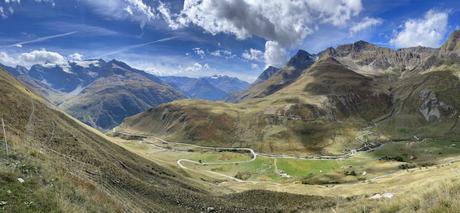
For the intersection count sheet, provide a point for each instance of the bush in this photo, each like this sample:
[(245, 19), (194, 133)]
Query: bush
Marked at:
[(407, 166)]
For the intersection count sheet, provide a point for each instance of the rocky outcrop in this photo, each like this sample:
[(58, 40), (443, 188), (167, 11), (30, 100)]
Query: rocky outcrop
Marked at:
[(364, 56), (433, 109), (452, 46)]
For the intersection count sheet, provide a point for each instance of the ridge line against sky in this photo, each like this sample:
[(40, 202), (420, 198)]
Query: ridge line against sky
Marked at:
[(233, 37)]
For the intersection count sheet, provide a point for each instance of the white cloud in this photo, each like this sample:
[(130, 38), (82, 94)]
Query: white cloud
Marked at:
[(2, 13), (274, 54), (41, 57), (196, 67), (168, 17), (135, 10), (428, 31), (252, 54), (7, 60), (7, 8), (76, 57), (28, 59), (286, 23), (199, 52), (222, 53), (254, 66), (365, 23)]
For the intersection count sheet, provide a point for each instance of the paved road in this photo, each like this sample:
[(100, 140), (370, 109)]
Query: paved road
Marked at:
[(253, 156)]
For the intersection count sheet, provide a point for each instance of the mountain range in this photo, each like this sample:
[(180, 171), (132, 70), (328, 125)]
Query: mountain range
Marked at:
[(102, 94), (216, 87), (320, 103)]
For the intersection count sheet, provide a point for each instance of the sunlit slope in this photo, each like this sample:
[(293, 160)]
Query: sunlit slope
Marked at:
[(325, 107)]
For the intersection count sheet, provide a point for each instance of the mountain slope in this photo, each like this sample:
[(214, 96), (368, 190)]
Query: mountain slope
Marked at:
[(74, 165), (107, 101), (96, 92), (324, 108), (266, 74), (288, 74), (204, 90), (69, 167), (327, 99)]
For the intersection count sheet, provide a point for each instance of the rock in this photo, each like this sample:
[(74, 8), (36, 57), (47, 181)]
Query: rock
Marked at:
[(376, 197), (3, 203), (386, 195), (21, 180), (432, 108), (210, 209)]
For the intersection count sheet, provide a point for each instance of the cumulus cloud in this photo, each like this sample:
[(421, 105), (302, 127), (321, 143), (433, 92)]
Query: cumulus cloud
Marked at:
[(76, 57), (428, 31), (364, 24), (7, 60), (285, 23), (27, 59), (274, 54), (252, 54), (41, 57)]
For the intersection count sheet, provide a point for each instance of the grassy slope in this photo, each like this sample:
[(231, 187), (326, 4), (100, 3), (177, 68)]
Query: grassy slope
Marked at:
[(69, 168), (320, 112), (407, 121)]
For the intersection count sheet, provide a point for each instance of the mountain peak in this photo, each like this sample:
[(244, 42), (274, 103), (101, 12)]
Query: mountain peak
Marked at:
[(302, 53), (301, 60)]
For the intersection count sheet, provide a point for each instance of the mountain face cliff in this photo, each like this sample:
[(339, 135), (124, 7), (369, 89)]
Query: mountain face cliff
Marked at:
[(317, 104), (266, 74), (97, 92)]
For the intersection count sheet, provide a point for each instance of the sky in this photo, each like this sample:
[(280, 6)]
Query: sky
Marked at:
[(195, 38)]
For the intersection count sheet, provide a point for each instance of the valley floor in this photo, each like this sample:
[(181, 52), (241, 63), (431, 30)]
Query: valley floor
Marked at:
[(403, 170)]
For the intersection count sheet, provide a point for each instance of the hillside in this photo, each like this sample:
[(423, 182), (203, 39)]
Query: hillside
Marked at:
[(324, 108), (107, 101), (96, 92), (68, 167)]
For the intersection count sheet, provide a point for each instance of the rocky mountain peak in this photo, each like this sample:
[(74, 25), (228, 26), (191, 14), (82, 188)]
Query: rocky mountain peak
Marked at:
[(301, 60)]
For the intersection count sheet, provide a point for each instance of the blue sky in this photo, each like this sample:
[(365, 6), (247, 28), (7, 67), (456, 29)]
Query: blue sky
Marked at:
[(205, 37)]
